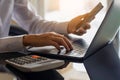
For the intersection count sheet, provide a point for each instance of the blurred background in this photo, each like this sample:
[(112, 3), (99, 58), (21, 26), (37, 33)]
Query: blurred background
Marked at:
[(63, 10)]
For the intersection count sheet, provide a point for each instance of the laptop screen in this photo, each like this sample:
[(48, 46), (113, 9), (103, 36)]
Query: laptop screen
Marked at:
[(103, 30), (107, 30)]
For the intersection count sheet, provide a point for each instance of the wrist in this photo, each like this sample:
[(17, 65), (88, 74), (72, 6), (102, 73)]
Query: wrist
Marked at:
[(25, 40)]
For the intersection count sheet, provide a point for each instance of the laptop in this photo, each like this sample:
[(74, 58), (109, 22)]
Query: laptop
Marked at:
[(105, 64), (88, 44)]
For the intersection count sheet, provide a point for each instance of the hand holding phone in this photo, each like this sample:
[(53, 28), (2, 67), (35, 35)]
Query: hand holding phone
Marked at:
[(90, 15)]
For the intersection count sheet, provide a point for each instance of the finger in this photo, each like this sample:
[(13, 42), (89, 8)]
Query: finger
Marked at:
[(53, 43), (81, 31), (87, 26), (61, 41), (67, 41)]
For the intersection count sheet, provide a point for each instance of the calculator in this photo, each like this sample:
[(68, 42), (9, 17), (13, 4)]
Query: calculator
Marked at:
[(34, 63)]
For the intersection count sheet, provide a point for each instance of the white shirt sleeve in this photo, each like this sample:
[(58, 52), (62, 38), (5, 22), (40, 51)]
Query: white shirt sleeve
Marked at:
[(33, 23), (11, 44)]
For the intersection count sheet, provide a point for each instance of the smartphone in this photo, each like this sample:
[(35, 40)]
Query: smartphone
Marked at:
[(91, 15)]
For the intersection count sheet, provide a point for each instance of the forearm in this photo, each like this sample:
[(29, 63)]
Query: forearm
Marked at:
[(42, 26), (33, 23)]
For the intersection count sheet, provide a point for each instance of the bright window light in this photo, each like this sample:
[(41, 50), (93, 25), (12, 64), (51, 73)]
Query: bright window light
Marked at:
[(69, 9)]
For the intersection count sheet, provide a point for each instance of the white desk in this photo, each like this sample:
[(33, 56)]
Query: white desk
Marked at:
[(70, 73)]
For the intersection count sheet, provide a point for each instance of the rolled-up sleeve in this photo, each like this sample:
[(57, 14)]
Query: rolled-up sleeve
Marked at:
[(11, 44)]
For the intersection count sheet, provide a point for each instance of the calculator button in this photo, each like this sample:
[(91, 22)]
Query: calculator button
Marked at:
[(35, 56)]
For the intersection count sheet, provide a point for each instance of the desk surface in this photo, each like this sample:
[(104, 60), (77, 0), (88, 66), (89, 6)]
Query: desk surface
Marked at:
[(7, 76), (71, 73)]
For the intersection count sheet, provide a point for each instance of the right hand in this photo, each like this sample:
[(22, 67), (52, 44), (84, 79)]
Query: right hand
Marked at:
[(47, 39), (75, 25)]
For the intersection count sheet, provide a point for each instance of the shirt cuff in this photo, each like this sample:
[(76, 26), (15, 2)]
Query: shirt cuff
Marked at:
[(12, 44), (61, 28)]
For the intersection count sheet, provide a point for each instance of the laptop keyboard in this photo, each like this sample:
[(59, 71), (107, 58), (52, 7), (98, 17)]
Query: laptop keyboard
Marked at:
[(78, 49)]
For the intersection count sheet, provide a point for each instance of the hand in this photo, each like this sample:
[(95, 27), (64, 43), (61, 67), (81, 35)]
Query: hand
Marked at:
[(75, 26), (47, 39)]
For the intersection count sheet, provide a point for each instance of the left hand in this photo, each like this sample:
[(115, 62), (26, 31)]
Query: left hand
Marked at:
[(75, 26)]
